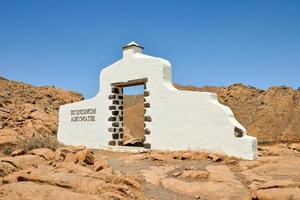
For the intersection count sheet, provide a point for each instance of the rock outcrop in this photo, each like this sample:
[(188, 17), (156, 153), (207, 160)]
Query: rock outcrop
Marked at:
[(26, 111), (67, 173)]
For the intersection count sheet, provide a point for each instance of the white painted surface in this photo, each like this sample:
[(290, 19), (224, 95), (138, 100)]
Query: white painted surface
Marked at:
[(181, 120)]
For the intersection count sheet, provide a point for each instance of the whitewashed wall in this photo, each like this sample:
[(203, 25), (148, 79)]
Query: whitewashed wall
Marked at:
[(181, 120)]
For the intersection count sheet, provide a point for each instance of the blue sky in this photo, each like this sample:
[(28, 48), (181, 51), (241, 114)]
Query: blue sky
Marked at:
[(67, 42)]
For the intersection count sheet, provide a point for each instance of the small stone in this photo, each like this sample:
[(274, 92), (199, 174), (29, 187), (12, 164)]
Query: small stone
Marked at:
[(115, 135), (111, 119), (214, 157), (147, 131), (115, 124), (112, 129), (175, 174), (112, 107), (20, 119), (232, 161), (146, 105), (116, 102), (115, 112), (18, 152), (112, 96), (98, 167), (115, 90), (147, 146), (147, 118), (238, 132), (146, 93), (112, 143)]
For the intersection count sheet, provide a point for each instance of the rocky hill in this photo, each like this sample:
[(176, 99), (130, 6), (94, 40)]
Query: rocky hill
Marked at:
[(26, 111)]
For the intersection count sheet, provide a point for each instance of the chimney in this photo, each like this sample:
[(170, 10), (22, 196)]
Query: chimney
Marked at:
[(132, 48)]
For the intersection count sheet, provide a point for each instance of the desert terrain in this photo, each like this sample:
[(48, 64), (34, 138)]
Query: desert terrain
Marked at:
[(33, 165)]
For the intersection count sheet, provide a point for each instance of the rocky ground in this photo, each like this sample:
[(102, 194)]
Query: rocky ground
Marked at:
[(33, 165), (78, 173)]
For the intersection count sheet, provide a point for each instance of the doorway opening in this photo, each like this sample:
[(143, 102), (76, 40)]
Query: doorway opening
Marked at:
[(133, 116), (129, 104)]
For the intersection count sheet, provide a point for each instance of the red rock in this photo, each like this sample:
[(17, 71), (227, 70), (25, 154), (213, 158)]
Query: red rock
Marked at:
[(68, 180), (72, 158), (215, 157), (279, 184), (36, 191), (85, 156), (221, 173), (70, 167), (6, 168), (28, 129), (18, 152), (8, 136), (45, 153), (23, 161), (278, 194), (207, 190), (194, 174)]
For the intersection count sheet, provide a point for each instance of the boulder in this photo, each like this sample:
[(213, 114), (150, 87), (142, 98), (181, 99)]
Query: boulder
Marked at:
[(8, 136), (134, 142), (295, 146), (85, 156), (194, 174), (28, 129), (277, 194), (279, 184), (36, 191), (215, 157), (207, 190), (41, 115), (45, 153), (6, 168), (74, 154), (74, 181), (18, 152), (23, 161), (70, 167)]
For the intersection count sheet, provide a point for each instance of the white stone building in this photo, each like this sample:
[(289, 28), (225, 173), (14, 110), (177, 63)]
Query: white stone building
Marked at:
[(174, 119)]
